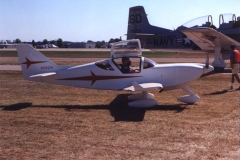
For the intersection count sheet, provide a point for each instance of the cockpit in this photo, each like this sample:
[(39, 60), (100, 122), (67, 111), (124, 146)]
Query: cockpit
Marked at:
[(225, 21), (205, 21), (228, 21), (126, 57), (104, 64)]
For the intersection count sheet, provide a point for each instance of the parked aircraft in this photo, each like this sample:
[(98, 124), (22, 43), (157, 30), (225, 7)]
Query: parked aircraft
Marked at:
[(108, 74), (153, 37)]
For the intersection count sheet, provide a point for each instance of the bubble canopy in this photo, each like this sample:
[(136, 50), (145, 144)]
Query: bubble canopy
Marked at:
[(204, 21), (126, 48), (227, 18)]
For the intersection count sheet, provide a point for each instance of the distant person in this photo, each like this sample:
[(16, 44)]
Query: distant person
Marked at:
[(125, 68), (234, 66)]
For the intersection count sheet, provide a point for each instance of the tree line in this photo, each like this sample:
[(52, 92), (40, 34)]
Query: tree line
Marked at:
[(59, 42)]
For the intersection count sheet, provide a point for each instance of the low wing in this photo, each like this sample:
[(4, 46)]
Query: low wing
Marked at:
[(144, 87), (207, 39), (43, 74)]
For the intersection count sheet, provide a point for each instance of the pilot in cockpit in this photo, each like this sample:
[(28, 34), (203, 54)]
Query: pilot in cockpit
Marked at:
[(125, 67)]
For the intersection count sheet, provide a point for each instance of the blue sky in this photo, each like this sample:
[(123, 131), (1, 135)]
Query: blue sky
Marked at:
[(82, 20)]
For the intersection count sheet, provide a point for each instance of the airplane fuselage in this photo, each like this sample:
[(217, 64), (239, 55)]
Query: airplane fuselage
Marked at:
[(126, 70), (233, 33), (91, 76)]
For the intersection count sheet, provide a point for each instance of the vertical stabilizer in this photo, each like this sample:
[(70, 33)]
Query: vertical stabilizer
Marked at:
[(33, 62), (138, 23)]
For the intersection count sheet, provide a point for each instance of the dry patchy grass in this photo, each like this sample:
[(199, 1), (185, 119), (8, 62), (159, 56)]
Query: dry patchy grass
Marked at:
[(44, 121)]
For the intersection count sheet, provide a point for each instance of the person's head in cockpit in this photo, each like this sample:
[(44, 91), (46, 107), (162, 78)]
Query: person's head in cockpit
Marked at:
[(126, 61)]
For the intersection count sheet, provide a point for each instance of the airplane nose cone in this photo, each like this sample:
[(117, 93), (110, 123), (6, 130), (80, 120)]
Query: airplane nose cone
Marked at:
[(206, 70)]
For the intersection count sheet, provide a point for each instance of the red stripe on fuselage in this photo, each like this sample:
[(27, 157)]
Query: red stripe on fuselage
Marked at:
[(95, 78)]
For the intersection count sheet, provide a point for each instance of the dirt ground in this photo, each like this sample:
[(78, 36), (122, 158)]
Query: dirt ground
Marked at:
[(44, 121)]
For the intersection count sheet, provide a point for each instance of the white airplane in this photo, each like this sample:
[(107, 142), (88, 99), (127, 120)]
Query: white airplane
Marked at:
[(107, 74)]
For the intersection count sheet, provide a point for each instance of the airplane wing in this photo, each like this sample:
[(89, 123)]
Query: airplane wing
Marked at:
[(144, 86), (207, 39), (43, 74)]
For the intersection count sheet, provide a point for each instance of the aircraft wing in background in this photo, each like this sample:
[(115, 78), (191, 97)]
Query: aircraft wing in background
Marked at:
[(209, 39)]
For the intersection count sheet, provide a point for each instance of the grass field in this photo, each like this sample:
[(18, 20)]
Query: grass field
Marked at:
[(104, 54), (44, 121)]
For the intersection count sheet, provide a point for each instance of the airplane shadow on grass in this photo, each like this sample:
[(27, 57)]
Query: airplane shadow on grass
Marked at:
[(221, 92), (118, 108)]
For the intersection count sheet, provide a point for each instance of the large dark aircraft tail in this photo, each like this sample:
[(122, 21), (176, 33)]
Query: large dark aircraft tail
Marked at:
[(138, 25)]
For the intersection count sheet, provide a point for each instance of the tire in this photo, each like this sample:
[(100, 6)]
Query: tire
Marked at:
[(219, 69)]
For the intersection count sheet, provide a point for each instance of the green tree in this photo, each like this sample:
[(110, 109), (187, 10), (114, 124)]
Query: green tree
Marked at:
[(17, 40), (117, 40), (33, 43), (100, 44), (114, 40), (45, 41), (53, 42), (60, 43), (111, 40)]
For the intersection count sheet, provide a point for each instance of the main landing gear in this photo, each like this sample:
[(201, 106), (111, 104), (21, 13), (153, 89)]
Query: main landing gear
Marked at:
[(146, 100), (218, 62)]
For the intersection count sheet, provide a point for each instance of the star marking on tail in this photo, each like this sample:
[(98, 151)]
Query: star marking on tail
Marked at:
[(29, 63)]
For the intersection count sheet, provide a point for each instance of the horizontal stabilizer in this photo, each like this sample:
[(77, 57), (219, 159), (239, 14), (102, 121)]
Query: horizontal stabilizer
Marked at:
[(141, 34), (43, 74), (144, 86)]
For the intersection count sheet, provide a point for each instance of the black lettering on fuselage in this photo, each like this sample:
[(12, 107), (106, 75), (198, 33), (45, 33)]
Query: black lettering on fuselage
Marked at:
[(132, 19), (47, 67), (138, 18), (135, 18), (171, 39), (163, 41), (155, 42)]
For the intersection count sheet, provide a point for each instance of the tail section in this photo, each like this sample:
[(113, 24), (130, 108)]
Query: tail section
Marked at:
[(138, 24), (33, 62)]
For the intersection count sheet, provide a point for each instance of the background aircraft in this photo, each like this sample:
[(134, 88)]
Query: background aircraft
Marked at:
[(153, 37), (107, 74)]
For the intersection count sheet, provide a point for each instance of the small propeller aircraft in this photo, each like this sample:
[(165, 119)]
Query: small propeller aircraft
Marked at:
[(108, 74), (197, 34)]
